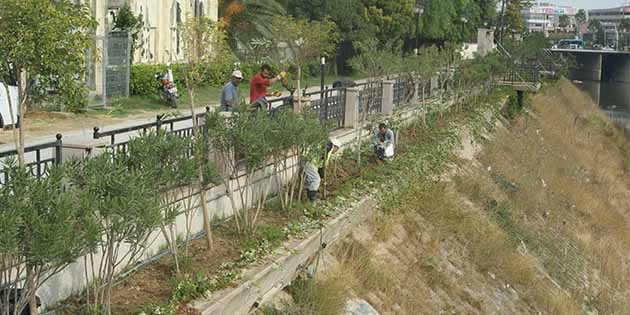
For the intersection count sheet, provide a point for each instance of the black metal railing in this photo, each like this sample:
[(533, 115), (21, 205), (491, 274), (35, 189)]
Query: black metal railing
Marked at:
[(371, 97), (330, 107), (403, 90), (122, 146), (38, 158)]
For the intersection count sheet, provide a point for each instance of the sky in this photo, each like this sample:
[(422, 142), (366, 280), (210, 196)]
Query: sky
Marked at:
[(590, 4)]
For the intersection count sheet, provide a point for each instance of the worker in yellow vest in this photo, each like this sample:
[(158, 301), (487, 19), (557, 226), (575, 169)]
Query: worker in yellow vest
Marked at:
[(315, 169)]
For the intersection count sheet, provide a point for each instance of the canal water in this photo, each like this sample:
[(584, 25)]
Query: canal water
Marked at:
[(613, 99)]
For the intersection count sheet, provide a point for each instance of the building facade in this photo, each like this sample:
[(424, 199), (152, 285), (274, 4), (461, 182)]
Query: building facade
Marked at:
[(611, 15), (545, 17), (159, 42)]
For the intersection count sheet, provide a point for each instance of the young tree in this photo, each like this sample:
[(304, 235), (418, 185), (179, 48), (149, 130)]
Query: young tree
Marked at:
[(43, 228), (244, 143), (297, 138), (125, 206), (204, 44), (162, 156), (42, 48), (306, 41)]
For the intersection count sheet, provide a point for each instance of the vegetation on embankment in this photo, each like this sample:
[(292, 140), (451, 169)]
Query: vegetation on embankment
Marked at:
[(534, 221)]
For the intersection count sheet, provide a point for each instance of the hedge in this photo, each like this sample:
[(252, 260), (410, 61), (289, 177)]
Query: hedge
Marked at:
[(143, 83)]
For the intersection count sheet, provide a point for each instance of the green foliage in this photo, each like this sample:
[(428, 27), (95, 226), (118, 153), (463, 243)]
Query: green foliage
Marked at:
[(580, 17), (125, 20), (126, 207), (45, 226), (348, 15), (247, 20), (206, 52), (163, 157), (375, 62), (49, 50), (190, 287), (393, 21), (273, 235)]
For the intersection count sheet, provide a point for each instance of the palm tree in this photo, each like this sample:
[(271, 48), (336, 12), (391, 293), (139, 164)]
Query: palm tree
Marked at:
[(248, 19)]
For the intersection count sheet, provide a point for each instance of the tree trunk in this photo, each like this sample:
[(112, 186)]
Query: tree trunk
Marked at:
[(299, 87), (22, 96), (200, 179), (31, 286)]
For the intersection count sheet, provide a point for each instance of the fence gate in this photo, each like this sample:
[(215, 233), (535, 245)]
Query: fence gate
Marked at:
[(118, 64)]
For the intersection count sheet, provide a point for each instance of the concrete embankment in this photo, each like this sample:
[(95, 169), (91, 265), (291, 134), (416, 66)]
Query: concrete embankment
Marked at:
[(530, 216)]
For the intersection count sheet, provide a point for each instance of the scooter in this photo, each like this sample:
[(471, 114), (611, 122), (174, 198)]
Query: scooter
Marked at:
[(167, 91)]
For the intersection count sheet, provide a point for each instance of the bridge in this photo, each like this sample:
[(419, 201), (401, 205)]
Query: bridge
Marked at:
[(599, 65)]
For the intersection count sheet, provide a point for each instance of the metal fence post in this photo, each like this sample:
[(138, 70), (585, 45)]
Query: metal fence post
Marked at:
[(158, 123), (58, 148)]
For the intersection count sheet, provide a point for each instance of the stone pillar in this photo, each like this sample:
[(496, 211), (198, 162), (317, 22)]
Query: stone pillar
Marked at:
[(589, 67), (305, 101), (388, 97), (351, 117), (485, 41)]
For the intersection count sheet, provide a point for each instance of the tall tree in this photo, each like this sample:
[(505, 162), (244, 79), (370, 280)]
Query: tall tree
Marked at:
[(248, 19), (437, 20), (42, 48), (580, 19), (394, 21)]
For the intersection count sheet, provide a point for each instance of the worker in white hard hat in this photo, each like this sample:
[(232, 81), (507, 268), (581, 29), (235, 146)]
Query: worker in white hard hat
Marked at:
[(316, 166), (229, 94)]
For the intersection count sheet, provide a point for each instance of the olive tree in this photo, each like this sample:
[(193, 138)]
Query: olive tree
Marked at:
[(243, 142), (306, 40), (44, 227), (127, 209), (163, 157), (42, 48), (204, 43), (297, 138)]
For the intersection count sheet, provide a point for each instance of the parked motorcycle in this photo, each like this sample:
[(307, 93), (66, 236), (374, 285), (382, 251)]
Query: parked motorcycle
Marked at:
[(167, 91)]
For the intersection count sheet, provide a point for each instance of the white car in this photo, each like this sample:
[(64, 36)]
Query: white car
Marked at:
[(5, 113)]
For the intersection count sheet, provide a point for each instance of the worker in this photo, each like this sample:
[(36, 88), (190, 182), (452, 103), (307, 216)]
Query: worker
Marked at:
[(383, 142), (229, 94), (261, 81), (315, 169)]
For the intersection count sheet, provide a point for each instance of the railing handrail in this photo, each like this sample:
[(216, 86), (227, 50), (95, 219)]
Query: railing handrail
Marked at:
[(158, 122), (33, 148)]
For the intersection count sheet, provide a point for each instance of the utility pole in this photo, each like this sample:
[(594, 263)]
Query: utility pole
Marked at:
[(322, 64)]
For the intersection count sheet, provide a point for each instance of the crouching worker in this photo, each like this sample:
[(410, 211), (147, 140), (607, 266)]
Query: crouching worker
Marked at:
[(383, 142), (315, 169)]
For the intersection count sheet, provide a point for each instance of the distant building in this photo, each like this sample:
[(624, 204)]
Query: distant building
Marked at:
[(611, 15), (545, 17)]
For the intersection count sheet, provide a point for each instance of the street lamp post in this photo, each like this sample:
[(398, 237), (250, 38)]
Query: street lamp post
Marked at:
[(418, 9)]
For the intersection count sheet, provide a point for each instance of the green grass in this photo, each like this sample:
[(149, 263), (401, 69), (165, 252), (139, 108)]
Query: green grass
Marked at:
[(204, 96)]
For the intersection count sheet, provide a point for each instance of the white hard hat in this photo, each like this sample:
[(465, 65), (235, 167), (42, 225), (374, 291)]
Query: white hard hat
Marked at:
[(336, 143), (237, 74)]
